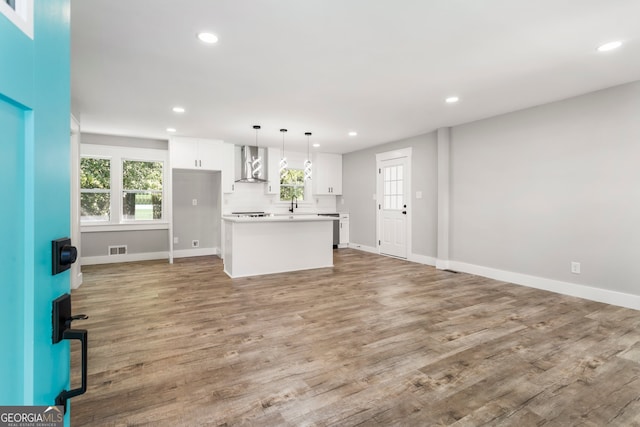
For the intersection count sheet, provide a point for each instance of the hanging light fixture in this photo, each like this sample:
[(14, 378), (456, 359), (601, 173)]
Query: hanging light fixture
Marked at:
[(256, 161), (307, 163), (283, 159)]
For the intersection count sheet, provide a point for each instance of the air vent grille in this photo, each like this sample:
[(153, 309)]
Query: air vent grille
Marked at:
[(118, 250)]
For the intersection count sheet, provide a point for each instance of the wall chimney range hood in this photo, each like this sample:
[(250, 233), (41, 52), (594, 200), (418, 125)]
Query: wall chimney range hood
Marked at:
[(251, 169)]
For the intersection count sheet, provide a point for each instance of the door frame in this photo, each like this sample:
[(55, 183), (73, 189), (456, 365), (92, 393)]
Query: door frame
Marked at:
[(390, 155), (76, 271)]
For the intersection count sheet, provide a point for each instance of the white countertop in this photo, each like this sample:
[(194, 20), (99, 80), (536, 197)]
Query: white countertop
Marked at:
[(281, 218)]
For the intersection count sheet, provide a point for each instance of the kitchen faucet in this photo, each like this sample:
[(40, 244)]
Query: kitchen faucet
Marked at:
[(293, 197)]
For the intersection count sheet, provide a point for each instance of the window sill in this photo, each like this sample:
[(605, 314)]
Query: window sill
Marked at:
[(98, 228)]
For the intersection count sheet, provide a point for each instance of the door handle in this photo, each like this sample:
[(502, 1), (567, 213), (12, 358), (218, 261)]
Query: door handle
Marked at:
[(61, 319), (80, 335), (62, 255)]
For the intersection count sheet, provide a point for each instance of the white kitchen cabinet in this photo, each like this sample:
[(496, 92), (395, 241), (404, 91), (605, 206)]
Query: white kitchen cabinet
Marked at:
[(273, 171), (195, 153), (228, 168), (327, 174), (344, 230)]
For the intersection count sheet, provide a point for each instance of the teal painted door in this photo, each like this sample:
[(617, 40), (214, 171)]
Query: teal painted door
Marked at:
[(34, 202)]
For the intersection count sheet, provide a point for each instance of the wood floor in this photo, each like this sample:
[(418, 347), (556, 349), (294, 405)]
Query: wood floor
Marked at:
[(375, 341)]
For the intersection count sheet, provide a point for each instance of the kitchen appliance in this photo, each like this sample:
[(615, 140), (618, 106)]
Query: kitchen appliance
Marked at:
[(336, 227), (251, 166), (256, 214)]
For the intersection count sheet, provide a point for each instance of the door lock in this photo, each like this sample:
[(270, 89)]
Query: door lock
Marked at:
[(62, 255)]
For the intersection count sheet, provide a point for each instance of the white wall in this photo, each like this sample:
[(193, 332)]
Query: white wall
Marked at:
[(533, 190)]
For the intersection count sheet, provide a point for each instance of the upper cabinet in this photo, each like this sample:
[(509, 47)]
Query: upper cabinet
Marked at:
[(327, 174), (195, 153)]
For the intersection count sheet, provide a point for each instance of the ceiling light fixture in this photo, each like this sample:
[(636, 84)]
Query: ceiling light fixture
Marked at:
[(609, 46), (283, 159), (316, 145), (178, 109), (452, 100), (256, 162), (208, 38), (353, 133), (307, 163), (172, 130)]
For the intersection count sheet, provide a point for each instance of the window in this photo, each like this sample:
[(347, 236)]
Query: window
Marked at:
[(95, 189), (393, 192), (122, 188), (141, 190), (292, 185)]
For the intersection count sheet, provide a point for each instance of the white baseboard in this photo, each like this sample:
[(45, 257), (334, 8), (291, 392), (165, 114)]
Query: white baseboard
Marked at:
[(442, 264), (581, 291), (111, 259), (364, 248), (422, 259), (186, 253)]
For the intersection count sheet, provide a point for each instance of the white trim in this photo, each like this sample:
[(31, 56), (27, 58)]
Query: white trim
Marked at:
[(22, 17), (105, 227), (422, 259), (442, 264), (186, 253), (112, 259), (75, 284), (364, 248), (581, 291)]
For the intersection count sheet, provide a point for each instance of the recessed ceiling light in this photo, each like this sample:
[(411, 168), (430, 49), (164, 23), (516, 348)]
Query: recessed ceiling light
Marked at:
[(316, 145), (171, 130), (609, 46), (352, 133), (452, 100), (208, 38), (178, 109)]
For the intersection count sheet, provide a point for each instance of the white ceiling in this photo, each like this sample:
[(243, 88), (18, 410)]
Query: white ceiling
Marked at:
[(380, 67)]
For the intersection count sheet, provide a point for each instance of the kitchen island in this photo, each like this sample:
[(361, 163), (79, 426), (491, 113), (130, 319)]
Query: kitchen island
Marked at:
[(276, 244)]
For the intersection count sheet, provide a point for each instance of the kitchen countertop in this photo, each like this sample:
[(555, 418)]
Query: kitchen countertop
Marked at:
[(280, 218)]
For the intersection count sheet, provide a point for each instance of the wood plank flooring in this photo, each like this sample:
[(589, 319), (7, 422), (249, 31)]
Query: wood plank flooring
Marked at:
[(375, 341)]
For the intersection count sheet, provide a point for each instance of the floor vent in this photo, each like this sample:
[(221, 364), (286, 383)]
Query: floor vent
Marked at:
[(118, 250)]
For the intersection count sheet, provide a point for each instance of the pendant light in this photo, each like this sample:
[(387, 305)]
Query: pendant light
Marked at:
[(283, 159), (256, 161), (307, 163)]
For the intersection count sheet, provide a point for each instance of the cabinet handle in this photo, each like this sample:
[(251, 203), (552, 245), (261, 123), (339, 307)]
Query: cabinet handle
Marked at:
[(200, 163)]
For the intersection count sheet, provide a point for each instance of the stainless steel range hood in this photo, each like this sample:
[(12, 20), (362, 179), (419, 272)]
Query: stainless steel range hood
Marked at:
[(252, 170)]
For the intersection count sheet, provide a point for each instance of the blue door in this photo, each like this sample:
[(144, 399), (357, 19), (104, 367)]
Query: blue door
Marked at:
[(34, 201)]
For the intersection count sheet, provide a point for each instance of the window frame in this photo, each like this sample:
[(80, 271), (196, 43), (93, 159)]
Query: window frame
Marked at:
[(118, 155), (296, 161)]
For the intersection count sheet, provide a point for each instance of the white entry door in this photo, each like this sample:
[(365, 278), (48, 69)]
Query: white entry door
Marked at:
[(393, 191)]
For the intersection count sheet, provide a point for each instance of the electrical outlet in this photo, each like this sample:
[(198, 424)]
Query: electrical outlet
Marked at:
[(575, 267), (194, 202), (195, 243), (176, 240)]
